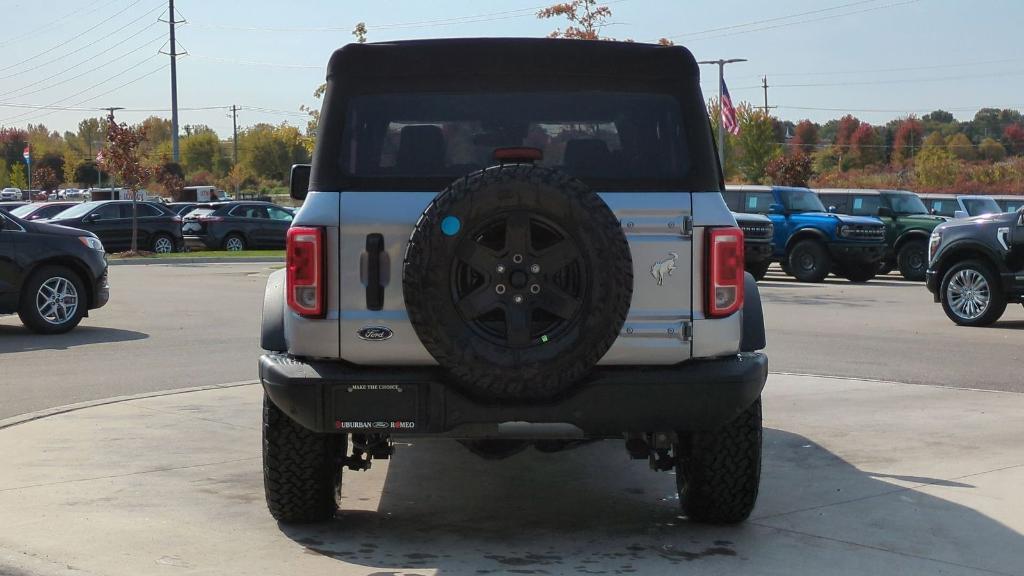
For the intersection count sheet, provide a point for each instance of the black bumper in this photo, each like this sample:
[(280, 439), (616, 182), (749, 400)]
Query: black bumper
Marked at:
[(100, 291), (340, 397), (757, 252), (859, 253)]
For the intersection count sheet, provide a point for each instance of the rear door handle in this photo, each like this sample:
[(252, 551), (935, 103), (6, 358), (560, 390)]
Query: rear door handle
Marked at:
[(374, 285)]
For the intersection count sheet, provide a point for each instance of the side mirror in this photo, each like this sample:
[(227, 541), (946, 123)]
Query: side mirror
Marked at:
[(92, 217), (933, 211), (885, 212), (832, 209), (298, 186), (776, 209), (960, 214)]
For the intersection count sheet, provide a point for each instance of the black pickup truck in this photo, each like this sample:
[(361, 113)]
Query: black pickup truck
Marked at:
[(976, 266), (757, 242)]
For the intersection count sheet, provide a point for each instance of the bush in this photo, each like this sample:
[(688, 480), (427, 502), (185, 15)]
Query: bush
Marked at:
[(794, 170)]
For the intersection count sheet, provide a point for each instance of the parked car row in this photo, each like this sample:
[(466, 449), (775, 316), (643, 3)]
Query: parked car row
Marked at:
[(860, 234)]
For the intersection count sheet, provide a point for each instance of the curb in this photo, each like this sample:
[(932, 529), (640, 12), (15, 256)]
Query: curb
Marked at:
[(181, 261), (40, 414)]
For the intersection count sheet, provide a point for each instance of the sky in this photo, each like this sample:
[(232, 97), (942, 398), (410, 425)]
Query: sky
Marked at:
[(877, 59)]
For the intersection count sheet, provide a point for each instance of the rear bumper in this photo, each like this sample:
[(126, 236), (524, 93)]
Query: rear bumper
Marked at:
[(340, 397), (859, 253)]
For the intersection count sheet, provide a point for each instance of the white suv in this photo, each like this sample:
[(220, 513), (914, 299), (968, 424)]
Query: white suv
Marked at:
[(10, 194)]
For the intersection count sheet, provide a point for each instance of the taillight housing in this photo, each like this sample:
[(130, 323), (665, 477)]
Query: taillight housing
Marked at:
[(305, 280), (724, 271)]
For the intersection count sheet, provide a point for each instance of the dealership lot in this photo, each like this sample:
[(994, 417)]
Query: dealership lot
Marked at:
[(861, 475)]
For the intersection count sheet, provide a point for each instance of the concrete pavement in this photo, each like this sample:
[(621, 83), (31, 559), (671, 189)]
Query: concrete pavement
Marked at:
[(859, 478)]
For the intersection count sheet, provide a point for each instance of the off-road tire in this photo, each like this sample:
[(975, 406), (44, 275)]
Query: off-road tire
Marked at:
[(487, 369), (997, 299), (301, 468), (817, 253), (28, 311), (758, 270), (913, 252), (718, 473), (859, 272)]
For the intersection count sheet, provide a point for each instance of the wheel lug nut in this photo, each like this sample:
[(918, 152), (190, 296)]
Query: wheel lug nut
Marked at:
[(517, 258), (500, 268), (500, 288), (518, 299), (535, 268), (535, 289)]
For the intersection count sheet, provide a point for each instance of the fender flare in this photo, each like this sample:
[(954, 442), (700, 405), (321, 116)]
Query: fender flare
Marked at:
[(806, 233), (272, 322), (752, 338), (914, 234)]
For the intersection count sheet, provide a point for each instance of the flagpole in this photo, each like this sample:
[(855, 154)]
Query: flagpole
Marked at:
[(721, 85)]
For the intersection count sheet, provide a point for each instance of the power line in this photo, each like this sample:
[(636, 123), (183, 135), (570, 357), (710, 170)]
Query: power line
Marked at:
[(255, 63), (882, 70), (769, 20), (88, 71), (50, 24), (81, 34)]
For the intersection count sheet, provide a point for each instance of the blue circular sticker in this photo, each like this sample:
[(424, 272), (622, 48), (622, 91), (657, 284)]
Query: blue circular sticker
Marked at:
[(450, 225)]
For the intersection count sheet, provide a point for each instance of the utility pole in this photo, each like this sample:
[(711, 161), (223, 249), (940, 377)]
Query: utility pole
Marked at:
[(172, 23), (721, 92), (234, 128), (764, 84)]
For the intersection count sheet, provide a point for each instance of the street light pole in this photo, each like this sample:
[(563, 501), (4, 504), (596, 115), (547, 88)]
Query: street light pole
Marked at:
[(721, 83)]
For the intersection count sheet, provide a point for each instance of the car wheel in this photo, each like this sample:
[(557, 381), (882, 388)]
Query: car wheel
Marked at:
[(758, 270), (858, 271), (53, 300), (163, 244), (809, 261), (301, 468), (234, 243), (718, 473), (913, 260), (971, 294)]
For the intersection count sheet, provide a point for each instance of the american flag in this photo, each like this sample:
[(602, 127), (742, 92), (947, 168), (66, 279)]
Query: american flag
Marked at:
[(729, 112)]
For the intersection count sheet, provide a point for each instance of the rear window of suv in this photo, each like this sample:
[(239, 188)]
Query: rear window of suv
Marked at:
[(596, 136)]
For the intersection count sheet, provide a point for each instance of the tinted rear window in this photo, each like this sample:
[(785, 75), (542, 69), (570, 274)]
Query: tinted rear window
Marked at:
[(596, 136)]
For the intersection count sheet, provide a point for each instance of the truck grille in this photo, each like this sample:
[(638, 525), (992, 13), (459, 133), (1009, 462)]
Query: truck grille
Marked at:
[(863, 232), (756, 230)]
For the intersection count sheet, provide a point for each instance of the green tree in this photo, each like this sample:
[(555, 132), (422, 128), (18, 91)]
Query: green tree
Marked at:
[(18, 178), (755, 142), (87, 172), (990, 149), (269, 151), (731, 169), (200, 152), (935, 140), (936, 168), (5, 175), (961, 147)]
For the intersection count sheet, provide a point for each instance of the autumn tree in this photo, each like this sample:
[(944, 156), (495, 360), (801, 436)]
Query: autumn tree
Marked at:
[(990, 149), (171, 177), (793, 170), (934, 140), (907, 141), (961, 147), (1013, 138), (44, 178), (121, 157), (865, 147), (805, 137), (586, 18), (844, 132)]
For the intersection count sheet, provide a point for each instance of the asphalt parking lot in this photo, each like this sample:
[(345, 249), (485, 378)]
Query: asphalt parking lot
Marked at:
[(197, 325), (862, 475)]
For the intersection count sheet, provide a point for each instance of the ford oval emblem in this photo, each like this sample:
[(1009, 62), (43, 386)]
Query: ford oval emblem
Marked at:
[(375, 333)]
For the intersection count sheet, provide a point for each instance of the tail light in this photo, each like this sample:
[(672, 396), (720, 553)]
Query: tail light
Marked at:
[(304, 262), (725, 271)]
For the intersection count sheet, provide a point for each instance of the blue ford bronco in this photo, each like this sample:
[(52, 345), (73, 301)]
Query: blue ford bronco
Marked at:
[(810, 242)]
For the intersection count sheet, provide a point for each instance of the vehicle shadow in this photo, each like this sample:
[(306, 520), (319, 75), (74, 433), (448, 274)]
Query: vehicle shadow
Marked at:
[(21, 339), (780, 281), (593, 510), (1009, 325)]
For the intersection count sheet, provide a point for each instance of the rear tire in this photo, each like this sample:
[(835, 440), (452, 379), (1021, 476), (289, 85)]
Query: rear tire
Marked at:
[(809, 261), (718, 473), (234, 243), (758, 270), (301, 468), (913, 260), (987, 303), (57, 308)]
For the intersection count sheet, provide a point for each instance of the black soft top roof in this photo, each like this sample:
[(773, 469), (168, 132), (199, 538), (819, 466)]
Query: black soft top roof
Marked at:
[(491, 57)]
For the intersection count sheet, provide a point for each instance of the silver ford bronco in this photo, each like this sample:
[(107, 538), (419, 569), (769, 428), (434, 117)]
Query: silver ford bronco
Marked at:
[(513, 243)]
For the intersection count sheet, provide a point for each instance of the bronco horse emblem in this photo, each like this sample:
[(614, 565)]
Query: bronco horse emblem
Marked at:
[(663, 268)]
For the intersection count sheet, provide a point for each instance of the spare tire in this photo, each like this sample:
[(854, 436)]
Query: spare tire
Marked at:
[(517, 280)]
